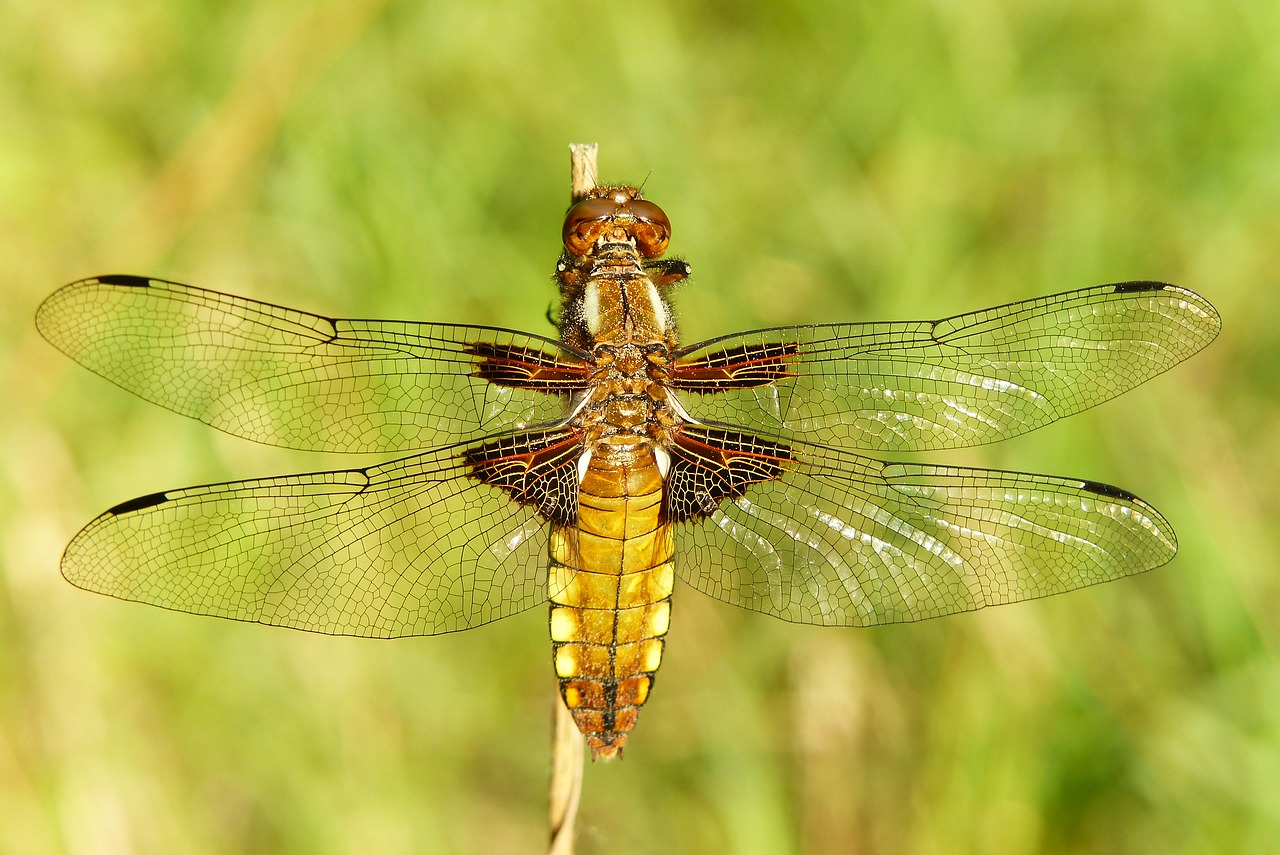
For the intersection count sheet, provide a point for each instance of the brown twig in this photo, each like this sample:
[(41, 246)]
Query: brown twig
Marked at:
[(566, 743), (582, 169)]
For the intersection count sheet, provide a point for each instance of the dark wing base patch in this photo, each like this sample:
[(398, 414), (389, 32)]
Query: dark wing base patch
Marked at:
[(747, 366), (538, 469), (525, 367), (709, 465)]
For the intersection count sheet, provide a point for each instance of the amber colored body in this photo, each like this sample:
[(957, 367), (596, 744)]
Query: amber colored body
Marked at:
[(611, 573), (612, 604)]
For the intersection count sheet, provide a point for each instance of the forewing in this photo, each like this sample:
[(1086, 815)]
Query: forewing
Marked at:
[(293, 379), (960, 381), (412, 547), (844, 540)]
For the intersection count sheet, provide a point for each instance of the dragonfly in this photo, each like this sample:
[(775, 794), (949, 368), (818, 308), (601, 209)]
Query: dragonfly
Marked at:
[(585, 473)]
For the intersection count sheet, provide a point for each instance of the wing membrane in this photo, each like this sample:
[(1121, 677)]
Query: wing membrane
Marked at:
[(961, 381), (293, 379), (844, 540), (412, 547)]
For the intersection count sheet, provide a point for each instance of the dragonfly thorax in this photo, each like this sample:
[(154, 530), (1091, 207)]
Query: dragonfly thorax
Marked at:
[(629, 394), (612, 282), (613, 301)]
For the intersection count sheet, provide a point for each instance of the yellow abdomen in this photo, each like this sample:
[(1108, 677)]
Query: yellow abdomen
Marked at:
[(611, 581)]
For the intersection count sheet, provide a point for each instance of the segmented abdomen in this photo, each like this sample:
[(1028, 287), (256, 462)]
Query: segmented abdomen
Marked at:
[(611, 581)]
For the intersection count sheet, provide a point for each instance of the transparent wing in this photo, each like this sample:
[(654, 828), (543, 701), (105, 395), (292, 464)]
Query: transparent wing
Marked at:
[(960, 381), (288, 378), (844, 540), (412, 547)]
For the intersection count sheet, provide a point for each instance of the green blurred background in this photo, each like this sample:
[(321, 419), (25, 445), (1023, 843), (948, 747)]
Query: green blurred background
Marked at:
[(825, 161)]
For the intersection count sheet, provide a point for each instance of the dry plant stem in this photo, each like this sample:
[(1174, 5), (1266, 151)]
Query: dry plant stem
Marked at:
[(566, 743), (566, 779), (582, 169)]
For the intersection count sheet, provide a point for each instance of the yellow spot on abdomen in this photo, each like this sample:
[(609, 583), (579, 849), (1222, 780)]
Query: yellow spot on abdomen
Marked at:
[(660, 618), (566, 662), (564, 625), (652, 656)]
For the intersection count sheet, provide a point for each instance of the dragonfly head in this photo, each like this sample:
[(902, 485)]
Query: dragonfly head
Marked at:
[(617, 213)]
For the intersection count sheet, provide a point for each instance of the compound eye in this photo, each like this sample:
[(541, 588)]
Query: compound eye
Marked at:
[(583, 223), (653, 231)]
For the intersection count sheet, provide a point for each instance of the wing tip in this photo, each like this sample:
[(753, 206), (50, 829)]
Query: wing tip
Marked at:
[(1166, 533), (53, 309), (1210, 323)]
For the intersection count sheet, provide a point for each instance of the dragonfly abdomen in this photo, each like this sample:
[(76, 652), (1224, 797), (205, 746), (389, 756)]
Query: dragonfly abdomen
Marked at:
[(612, 578)]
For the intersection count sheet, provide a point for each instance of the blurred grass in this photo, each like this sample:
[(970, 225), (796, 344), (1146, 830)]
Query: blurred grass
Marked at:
[(820, 161)]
